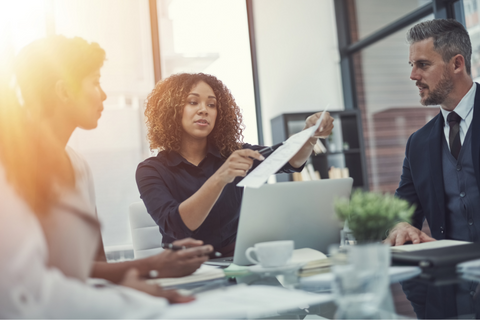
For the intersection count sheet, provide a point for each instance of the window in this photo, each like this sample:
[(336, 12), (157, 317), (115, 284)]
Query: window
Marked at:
[(390, 107), (114, 149), (210, 36), (473, 28), (372, 15)]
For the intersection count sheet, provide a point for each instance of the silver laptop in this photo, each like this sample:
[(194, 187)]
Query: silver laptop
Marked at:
[(299, 211)]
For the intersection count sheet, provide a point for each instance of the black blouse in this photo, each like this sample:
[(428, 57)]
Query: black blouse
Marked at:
[(168, 179)]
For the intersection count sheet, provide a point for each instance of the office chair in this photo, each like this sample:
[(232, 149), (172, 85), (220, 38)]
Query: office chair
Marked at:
[(146, 237)]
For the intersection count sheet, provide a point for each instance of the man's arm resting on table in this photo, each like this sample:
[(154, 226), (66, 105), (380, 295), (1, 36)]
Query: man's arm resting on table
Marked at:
[(403, 232)]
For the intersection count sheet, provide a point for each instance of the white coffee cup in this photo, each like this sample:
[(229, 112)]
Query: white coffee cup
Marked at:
[(271, 254)]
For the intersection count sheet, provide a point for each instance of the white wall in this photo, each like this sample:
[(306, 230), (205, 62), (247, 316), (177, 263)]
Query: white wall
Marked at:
[(118, 145), (297, 57)]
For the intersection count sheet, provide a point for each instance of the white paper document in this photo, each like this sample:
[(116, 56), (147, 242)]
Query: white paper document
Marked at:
[(471, 267), (324, 281), (279, 157), (305, 255), (428, 245), (244, 302)]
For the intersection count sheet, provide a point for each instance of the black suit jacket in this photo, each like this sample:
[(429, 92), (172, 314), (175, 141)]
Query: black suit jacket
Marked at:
[(422, 179), (422, 184)]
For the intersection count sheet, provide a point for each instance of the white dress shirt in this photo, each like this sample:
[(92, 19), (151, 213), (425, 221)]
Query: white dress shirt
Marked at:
[(465, 110), (31, 289)]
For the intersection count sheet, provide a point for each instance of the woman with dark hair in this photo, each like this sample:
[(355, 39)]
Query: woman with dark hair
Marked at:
[(189, 188), (49, 230)]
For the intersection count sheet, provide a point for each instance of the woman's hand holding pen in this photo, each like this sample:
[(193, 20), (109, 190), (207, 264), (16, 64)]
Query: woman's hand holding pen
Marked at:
[(197, 207), (237, 165), (179, 263)]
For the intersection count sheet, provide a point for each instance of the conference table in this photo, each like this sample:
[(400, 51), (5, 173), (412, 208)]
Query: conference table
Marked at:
[(289, 295)]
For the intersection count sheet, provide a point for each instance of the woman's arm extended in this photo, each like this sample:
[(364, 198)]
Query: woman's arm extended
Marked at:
[(323, 131), (195, 209), (168, 263)]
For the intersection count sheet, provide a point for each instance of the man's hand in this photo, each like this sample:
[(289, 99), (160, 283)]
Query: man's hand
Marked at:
[(404, 232), (171, 264), (132, 280)]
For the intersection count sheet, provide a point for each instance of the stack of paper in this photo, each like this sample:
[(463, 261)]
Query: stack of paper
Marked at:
[(470, 270), (244, 302), (472, 267), (305, 255), (322, 282), (315, 261)]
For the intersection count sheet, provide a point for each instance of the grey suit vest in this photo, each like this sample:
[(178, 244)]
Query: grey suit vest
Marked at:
[(462, 197)]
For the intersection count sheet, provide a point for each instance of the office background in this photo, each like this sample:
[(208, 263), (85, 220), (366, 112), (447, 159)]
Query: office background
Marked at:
[(276, 56)]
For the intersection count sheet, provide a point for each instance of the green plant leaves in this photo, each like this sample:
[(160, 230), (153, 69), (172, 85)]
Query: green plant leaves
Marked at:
[(371, 214)]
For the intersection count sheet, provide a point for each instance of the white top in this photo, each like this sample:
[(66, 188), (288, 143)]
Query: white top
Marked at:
[(30, 289), (465, 110), (71, 228)]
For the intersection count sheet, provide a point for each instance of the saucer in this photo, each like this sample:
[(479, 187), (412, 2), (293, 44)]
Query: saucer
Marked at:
[(285, 268)]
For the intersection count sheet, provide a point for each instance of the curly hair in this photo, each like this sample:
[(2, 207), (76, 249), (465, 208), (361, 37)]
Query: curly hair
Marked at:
[(164, 111)]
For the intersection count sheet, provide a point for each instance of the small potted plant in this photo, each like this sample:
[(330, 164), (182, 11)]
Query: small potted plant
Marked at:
[(369, 215)]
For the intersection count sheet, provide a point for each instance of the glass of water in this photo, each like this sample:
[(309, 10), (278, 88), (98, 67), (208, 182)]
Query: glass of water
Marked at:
[(361, 281)]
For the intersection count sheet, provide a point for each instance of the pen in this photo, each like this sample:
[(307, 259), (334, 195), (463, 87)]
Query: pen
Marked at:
[(269, 150), (173, 247)]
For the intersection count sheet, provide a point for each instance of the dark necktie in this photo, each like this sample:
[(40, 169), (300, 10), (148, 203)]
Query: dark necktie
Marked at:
[(453, 120)]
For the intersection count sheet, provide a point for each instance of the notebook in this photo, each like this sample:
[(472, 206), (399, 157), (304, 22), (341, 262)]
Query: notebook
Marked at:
[(442, 257), (427, 245)]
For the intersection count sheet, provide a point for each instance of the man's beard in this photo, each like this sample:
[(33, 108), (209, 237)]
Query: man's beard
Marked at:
[(440, 92)]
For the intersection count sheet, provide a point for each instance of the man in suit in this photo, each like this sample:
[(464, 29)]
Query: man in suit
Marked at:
[(441, 170)]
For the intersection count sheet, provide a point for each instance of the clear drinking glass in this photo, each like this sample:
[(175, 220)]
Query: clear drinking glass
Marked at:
[(361, 280)]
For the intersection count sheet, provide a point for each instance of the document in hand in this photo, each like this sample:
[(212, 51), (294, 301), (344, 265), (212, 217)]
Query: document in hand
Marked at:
[(447, 256), (279, 157)]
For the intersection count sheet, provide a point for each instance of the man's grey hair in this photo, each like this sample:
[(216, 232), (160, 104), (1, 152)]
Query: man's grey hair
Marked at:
[(449, 38)]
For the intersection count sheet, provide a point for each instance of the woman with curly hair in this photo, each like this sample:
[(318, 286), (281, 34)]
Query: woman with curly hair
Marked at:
[(189, 188)]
